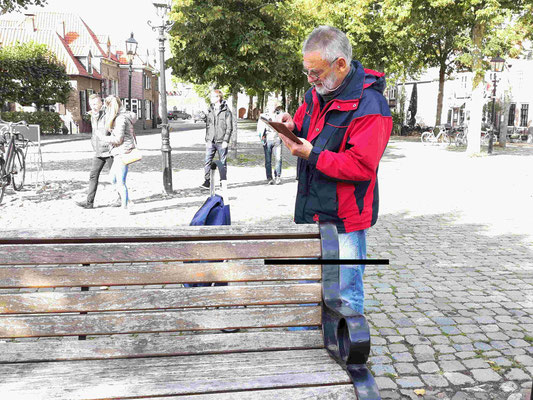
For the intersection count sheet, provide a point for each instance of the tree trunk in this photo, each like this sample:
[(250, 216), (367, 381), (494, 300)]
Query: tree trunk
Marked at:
[(235, 98), (250, 107), (440, 96), (283, 98), (476, 101)]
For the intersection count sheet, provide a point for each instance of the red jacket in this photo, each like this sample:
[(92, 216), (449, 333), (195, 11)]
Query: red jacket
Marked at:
[(339, 181)]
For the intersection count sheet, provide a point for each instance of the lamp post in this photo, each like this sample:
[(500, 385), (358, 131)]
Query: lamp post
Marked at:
[(496, 65), (162, 8), (131, 51)]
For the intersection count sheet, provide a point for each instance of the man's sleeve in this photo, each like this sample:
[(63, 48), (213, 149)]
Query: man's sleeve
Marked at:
[(367, 138), (229, 126)]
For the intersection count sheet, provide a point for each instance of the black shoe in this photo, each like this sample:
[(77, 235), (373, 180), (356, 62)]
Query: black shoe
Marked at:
[(84, 204), (206, 184)]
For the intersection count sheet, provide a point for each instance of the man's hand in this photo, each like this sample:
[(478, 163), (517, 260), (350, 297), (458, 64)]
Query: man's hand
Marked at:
[(286, 118), (299, 150), (224, 145)]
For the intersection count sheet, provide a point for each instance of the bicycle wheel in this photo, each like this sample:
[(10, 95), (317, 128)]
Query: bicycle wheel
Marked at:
[(426, 137), (444, 139), (19, 170)]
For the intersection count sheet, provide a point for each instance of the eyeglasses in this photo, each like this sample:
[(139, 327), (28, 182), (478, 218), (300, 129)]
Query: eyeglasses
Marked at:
[(316, 75)]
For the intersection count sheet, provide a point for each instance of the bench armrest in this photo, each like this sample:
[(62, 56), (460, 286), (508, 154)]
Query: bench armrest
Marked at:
[(346, 332)]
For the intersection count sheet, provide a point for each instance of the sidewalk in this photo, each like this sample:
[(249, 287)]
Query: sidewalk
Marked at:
[(453, 312)]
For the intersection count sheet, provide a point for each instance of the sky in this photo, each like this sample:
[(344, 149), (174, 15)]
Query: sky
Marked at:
[(117, 18)]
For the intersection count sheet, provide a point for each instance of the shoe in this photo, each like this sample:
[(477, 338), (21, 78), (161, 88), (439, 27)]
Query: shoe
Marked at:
[(206, 184), (270, 182), (84, 204), (117, 203), (278, 180)]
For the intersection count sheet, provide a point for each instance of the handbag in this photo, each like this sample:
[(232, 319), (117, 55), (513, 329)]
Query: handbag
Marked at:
[(131, 157), (134, 154)]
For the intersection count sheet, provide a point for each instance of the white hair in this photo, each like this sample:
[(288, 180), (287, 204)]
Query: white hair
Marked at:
[(331, 42)]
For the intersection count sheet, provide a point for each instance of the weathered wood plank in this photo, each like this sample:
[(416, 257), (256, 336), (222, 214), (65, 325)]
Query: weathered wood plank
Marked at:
[(157, 345), (162, 376), (184, 232), (152, 274), (151, 322), (334, 392), (13, 254), (154, 299)]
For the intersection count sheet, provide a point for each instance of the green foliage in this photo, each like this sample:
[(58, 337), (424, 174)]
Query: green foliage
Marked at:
[(397, 121), (7, 6), (50, 122), (30, 73)]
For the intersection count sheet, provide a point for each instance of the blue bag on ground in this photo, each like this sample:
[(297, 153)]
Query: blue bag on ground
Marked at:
[(212, 212)]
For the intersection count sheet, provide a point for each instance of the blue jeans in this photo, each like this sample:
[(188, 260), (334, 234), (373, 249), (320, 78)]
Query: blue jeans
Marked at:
[(352, 245), (272, 146), (210, 149), (119, 172)]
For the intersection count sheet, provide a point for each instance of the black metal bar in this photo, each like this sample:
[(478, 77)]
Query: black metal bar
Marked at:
[(322, 261), (346, 332)]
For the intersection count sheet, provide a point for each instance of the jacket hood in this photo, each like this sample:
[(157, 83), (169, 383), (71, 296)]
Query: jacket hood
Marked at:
[(131, 116), (361, 80)]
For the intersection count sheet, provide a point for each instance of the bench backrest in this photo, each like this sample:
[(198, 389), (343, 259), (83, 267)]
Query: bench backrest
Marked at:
[(155, 263)]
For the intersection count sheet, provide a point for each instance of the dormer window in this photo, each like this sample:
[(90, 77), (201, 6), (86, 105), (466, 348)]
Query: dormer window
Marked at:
[(89, 64)]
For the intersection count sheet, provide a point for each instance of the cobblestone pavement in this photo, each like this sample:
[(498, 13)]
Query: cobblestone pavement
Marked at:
[(451, 317)]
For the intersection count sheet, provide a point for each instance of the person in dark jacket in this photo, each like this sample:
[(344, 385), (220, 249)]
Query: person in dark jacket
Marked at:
[(102, 154), (345, 124), (219, 127)]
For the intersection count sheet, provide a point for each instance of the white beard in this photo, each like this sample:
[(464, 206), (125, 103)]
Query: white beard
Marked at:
[(327, 85)]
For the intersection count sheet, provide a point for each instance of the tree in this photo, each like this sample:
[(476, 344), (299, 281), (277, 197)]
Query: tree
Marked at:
[(230, 43), (7, 6), (30, 73)]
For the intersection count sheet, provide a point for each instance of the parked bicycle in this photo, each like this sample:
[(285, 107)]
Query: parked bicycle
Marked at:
[(485, 137), (12, 157), (461, 137), (441, 138)]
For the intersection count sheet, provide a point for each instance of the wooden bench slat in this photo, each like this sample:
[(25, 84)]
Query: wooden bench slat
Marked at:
[(22, 254), (167, 233), (153, 299), (161, 376), (332, 392), (150, 322), (157, 345), (154, 274)]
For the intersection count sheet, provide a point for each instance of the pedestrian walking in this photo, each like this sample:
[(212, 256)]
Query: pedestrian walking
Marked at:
[(122, 139), (219, 127), (344, 124), (102, 153), (271, 141)]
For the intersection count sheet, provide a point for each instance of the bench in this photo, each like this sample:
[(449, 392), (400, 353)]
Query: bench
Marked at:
[(144, 335)]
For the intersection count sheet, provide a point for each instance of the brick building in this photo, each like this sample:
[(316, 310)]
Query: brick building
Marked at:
[(91, 64)]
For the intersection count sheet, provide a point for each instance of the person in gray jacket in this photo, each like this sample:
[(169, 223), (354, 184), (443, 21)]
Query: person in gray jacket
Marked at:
[(102, 154), (219, 127)]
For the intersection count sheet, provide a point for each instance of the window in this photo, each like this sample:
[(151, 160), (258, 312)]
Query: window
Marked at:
[(512, 111), (89, 65), (140, 109), (524, 110), (147, 81), (449, 116)]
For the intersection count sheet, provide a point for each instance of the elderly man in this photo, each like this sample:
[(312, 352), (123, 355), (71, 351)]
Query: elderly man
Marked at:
[(345, 124), (102, 155)]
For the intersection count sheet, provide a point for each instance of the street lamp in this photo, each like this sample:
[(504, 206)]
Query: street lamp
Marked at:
[(162, 7), (496, 65), (131, 51)]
